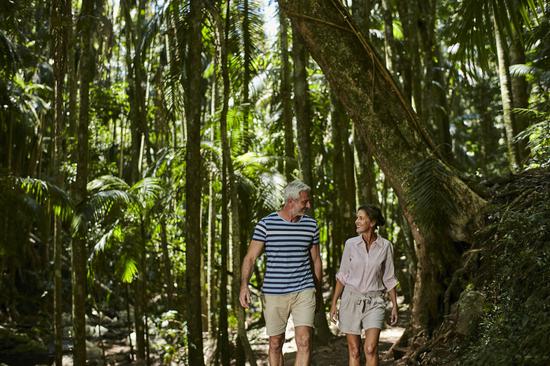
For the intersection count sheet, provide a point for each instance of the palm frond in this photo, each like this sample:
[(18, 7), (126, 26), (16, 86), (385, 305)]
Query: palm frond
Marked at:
[(107, 183), (472, 29), (146, 190), (103, 242), (129, 269), (47, 194), (521, 70), (100, 205)]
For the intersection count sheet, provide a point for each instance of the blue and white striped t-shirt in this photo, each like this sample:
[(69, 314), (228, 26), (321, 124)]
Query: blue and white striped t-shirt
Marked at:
[(287, 246)]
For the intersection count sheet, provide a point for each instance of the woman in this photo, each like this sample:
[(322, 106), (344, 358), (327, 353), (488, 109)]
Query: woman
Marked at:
[(366, 272)]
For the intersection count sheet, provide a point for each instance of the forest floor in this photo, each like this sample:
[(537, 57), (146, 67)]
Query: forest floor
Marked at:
[(115, 346)]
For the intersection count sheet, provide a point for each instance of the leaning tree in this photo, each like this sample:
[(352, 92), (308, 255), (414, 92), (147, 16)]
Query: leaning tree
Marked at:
[(436, 201)]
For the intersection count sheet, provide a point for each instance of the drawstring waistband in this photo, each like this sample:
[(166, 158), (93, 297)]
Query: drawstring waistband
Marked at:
[(365, 298)]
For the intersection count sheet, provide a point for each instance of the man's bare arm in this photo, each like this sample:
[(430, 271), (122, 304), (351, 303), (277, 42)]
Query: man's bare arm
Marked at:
[(317, 265), (254, 250)]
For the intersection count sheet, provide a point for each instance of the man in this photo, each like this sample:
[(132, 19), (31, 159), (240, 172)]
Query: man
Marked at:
[(291, 242)]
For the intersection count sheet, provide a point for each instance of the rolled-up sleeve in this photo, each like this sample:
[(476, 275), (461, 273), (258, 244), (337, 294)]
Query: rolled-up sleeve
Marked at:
[(344, 271), (389, 279)]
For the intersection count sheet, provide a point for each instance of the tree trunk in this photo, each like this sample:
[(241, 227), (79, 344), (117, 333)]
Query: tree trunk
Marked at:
[(223, 36), (136, 91), (247, 65), (212, 210), (488, 134), (139, 298), (168, 279), (520, 95), (388, 34), (78, 257), (60, 21), (398, 141), (425, 26), (290, 158), (441, 111), (506, 95), (360, 10), (193, 183), (339, 232), (210, 261), (301, 106), (411, 56)]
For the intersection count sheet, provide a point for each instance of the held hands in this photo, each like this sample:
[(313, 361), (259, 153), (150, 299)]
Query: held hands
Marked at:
[(244, 296)]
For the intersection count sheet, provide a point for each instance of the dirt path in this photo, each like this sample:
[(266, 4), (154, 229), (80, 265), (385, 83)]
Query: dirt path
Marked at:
[(333, 354)]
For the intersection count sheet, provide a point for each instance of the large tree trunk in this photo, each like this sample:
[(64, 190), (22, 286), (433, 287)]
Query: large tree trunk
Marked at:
[(398, 142), (193, 184)]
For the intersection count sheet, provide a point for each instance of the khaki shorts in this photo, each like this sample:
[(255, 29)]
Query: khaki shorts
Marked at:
[(277, 309), (358, 311)]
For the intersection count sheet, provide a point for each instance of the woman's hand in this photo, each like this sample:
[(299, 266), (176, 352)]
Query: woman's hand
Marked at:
[(394, 315), (333, 314)]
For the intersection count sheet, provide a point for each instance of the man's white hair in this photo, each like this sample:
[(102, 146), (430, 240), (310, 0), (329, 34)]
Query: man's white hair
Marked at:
[(293, 189)]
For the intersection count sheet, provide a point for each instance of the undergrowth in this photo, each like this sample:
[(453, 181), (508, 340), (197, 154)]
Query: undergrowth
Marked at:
[(512, 272)]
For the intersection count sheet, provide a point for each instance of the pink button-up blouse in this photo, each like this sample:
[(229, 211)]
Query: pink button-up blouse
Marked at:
[(368, 271)]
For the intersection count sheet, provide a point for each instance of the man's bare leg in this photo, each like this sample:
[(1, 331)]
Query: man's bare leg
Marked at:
[(303, 344), (276, 350)]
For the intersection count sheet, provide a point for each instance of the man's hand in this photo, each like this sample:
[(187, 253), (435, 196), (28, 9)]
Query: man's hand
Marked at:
[(244, 296)]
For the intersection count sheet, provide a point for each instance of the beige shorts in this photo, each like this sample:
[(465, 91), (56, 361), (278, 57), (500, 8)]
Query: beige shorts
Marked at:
[(277, 309), (358, 311)]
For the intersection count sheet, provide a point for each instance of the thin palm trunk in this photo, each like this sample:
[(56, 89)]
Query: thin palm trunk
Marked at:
[(136, 85), (79, 265), (388, 34), (168, 279), (289, 164), (441, 111), (247, 65), (520, 95), (360, 10), (211, 250), (339, 232), (223, 36), (193, 184), (505, 94), (301, 107), (60, 11), (210, 278)]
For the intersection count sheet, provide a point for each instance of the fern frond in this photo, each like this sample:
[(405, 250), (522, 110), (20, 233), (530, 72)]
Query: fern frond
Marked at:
[(430, 194)]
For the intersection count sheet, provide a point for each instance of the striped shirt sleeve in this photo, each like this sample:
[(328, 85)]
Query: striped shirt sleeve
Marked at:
[(260, 232)]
